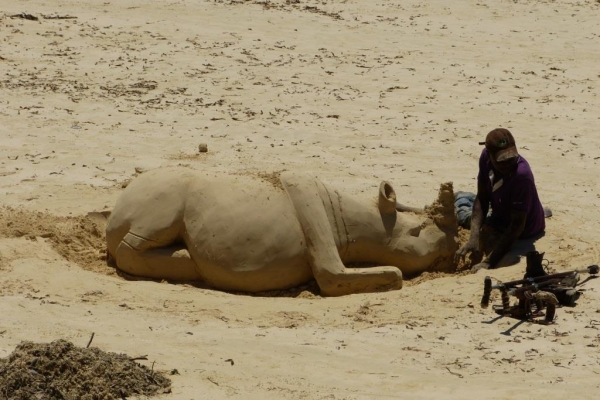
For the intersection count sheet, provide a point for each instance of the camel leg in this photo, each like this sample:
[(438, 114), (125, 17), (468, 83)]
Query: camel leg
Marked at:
[(142, 257), (333, 278)]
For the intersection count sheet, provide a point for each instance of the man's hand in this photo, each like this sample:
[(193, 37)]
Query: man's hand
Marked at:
[(482, 265), (465, 249)]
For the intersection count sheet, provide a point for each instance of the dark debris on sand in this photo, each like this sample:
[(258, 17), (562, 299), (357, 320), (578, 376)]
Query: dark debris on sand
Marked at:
[(61, 370)]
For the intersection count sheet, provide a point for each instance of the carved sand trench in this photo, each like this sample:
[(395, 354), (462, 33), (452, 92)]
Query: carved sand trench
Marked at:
[(80, 240)]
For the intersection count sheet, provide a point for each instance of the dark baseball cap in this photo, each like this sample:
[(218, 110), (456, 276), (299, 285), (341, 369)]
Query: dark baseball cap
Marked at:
[(501, 145)]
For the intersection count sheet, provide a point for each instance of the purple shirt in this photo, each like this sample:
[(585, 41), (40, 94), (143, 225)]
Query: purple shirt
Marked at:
[(517, 191)]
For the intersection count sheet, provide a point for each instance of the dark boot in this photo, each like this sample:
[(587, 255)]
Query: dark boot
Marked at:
[(534, 265)]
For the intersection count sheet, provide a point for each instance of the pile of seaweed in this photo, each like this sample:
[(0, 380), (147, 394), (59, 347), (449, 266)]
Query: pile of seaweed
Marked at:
[(61, 370)]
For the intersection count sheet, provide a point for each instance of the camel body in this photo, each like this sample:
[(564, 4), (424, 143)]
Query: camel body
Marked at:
[(242, 233)]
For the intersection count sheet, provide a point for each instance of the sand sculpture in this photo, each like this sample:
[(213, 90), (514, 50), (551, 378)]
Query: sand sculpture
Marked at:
[(241, 233)]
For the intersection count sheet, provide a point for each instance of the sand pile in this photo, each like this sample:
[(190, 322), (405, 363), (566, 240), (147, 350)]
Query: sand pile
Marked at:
[(78, 239)]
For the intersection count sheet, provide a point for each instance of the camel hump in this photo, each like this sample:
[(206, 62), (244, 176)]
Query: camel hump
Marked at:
[(151, 207)]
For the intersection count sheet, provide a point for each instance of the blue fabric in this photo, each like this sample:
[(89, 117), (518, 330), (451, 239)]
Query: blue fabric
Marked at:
[(463, 206)]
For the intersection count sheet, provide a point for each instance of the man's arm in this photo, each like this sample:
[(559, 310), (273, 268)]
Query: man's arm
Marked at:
[(480, 210), (515, 229)]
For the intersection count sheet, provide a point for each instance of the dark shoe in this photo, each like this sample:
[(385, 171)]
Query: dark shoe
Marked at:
[(534, 265)]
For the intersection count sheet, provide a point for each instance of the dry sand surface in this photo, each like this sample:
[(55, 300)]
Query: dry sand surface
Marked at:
[(94, 92)]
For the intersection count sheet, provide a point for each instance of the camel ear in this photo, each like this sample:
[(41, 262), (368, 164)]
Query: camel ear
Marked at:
[(387, 198)]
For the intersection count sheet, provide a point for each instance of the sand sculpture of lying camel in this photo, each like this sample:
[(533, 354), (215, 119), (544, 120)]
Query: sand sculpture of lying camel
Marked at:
[(244, 234)]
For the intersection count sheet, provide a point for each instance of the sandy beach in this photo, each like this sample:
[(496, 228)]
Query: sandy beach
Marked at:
[(94, 93)]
